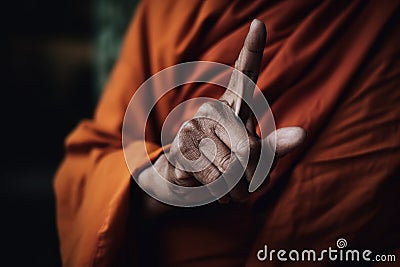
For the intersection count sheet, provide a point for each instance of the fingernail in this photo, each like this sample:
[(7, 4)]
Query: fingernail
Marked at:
[(253, 24), (256, 36), (288, 138)]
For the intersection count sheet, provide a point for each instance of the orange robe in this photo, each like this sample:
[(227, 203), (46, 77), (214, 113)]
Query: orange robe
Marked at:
[(331, 67)]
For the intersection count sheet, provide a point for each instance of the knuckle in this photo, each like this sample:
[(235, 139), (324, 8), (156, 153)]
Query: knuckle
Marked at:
[(224, 161), (211, 108), (189, 151), (188, 140), (205, 108), (251, 74), (210, 175), (189, 126), (243, 145), (249, 143)]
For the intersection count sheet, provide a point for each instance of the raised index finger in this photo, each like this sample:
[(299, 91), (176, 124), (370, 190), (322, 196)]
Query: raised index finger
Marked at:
[(248, 62)]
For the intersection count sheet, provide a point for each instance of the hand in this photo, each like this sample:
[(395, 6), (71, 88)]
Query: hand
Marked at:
[(203, 149)]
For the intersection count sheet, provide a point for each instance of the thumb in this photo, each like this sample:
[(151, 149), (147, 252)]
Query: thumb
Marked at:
[(248, 62), (286, 139)]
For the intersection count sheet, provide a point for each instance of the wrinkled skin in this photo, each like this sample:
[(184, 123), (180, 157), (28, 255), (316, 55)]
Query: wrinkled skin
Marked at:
[(205, 140)]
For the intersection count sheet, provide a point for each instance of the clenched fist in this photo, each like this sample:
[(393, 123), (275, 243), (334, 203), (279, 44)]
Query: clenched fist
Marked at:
[(221, 138)]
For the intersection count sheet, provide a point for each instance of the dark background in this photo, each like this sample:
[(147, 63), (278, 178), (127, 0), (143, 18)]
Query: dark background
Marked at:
[(55, 57)]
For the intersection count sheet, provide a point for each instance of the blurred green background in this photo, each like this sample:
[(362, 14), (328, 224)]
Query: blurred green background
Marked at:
[(55, 59)]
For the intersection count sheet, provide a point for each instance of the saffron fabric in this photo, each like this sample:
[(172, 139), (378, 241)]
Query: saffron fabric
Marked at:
[(331, 67)]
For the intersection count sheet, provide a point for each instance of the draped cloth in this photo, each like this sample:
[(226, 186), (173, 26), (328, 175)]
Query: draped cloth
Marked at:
[(331, 67)]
